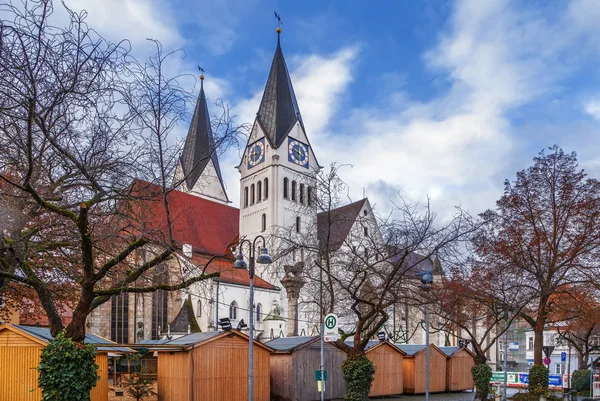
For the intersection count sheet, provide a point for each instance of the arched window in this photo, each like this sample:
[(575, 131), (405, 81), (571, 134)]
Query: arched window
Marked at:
[(293, 190), (246, 197), (302, 193), (366, 231), (266, 188), (286, 183), (252, 194), (199, 308), (309, 196), (264, 222), (259, 191), (366, 254), (258, 312), (233, 311), (365, 212), (298, 224)]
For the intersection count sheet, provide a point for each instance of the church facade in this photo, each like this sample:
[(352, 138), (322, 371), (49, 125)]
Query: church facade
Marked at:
[(278, 187)]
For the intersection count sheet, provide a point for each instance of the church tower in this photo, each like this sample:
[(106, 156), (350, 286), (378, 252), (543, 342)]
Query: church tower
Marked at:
[(198, 170), (278, 184)]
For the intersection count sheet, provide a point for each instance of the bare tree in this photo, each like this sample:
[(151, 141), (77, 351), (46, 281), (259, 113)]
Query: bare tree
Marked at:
[(544, 234), (80, 124)]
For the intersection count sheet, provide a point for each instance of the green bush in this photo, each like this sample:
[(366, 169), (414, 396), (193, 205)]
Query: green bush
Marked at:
[(538, 380), (581, 381), (358, 374), (481, 376), (526, 396), (68, 370)]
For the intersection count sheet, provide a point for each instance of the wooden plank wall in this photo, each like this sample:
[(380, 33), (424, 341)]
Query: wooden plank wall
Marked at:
[(408, 374), (174, 376), (19, 358), (281, 377), (220, 371), (308, 359), (388, 371), (437, 372), (459, 376)]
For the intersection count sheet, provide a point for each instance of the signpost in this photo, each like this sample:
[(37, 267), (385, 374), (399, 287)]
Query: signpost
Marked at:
[(547, 361), (331, 328), (563, 356)]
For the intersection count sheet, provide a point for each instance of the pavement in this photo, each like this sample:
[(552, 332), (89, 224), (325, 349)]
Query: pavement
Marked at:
[(466, 396)]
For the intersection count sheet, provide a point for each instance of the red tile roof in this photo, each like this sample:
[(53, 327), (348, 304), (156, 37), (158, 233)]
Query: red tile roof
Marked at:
[(230, 275), (210, 227)]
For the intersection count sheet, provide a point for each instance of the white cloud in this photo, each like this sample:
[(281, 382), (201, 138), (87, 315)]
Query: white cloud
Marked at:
[(592, 107)]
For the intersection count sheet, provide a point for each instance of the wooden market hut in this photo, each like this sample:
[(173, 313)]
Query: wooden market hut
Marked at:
[(414, 369), (20, 351), (458, 368), (388, 361), (211, 366), (293, 366)]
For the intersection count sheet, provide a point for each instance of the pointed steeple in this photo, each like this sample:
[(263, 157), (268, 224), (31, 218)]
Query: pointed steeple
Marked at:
[(199, 148), (278, 111)]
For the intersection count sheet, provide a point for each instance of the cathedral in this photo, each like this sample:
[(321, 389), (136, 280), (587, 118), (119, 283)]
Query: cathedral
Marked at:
[(278, 184)]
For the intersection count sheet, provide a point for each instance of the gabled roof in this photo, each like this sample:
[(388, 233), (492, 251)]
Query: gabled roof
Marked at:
[(278, 111), (415, 264), (372, 344), (199, 146), (290, 344), (197, 339), (42, 334), (185, 319), (414, 349), (451, 351), (229, 275), (333, 226), (210, 227)]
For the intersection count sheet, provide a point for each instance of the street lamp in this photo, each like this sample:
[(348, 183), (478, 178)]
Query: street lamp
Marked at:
[(426, 280), (264, 259)]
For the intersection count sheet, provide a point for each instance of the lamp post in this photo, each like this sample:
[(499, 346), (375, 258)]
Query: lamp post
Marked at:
[(426, 280), (264, 259)]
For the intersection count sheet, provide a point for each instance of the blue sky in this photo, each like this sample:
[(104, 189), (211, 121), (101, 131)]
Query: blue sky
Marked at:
[(432, 98)]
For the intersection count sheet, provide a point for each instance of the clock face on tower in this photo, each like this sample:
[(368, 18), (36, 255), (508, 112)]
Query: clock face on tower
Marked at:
[(256, 153), (297, 152)]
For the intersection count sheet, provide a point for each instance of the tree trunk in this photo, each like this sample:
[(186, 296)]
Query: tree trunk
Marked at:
[(538, 344), (76, 329)]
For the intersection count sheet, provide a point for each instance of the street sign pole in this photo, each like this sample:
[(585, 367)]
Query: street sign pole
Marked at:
[(505, 361), (322, 367)]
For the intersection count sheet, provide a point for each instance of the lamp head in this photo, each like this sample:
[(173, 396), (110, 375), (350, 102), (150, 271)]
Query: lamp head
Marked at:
[(426, 279), (239, 262), (264, 258)]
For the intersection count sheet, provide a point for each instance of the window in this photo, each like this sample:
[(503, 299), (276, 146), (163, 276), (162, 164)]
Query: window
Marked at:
[(302, 193), (246, 197), (259, 191), (258, 312), (293, 190), (264, 222), (285, 187), (530, 343), (119, 322), (366, 254), (252, 195), (199, 308), (2, 301), (366, 231), (557, 369), (298, 224), (266, 188), (233, 311), (365, 212), (309, 196)]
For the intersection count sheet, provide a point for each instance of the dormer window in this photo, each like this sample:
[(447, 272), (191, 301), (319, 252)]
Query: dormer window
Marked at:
[(187, 250)]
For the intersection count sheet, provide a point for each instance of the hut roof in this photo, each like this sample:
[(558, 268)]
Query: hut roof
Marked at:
[(152, 342), (195, 339), (451, 351), (411, 349), (290, 343), (372, 344), (43, 334)]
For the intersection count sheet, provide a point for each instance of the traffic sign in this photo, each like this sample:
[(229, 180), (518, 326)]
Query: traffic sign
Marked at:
[(331, 327), (547, 361), (318, 375), (548, 350), (563, 356)]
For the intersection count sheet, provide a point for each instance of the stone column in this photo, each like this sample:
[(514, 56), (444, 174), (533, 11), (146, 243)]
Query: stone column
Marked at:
[(293, 283)]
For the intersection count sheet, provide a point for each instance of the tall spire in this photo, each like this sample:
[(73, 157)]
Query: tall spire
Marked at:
[(278, 111), (199, 146)]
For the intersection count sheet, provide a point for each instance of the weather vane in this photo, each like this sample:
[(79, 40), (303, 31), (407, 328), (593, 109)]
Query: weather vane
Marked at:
[(279, 23), (201, 70)]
